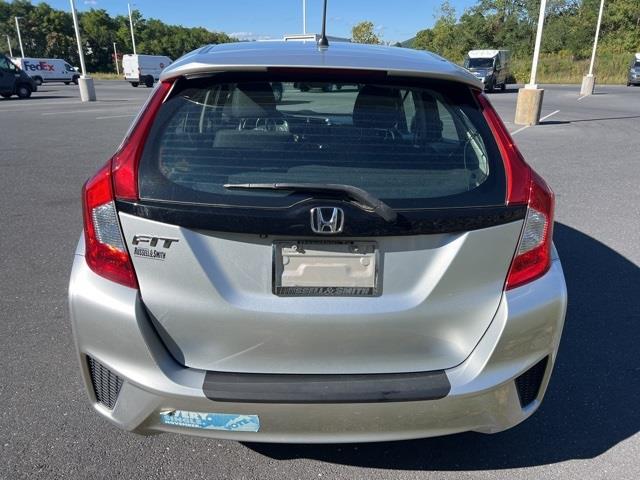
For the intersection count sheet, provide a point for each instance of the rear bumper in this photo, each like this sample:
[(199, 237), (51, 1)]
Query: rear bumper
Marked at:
[(110, 325)]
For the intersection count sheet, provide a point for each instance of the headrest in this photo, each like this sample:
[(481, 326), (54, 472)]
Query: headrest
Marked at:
[(377, 107), (252, 100)]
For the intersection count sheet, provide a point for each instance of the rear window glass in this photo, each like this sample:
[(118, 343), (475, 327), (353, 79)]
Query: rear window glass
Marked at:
[(413, 144)]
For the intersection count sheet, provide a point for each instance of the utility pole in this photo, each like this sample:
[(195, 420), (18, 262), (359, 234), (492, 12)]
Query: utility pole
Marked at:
[(589, 81), (19, 37), (133, 37), (304, 16), (85, 82), (9, 44), (115, 56), (529, 102)]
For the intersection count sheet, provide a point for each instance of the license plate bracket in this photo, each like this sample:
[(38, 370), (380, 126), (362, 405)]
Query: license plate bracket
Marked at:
[(318, 268)]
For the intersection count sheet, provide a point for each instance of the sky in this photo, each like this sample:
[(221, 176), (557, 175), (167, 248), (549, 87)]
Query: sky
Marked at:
[(395, 20)]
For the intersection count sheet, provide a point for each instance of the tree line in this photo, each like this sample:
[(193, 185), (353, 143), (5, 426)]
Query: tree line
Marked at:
[(510, 24), (48, 32), (568, 30)]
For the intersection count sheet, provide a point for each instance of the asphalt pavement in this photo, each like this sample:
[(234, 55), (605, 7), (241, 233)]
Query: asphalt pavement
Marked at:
[(587, 148)]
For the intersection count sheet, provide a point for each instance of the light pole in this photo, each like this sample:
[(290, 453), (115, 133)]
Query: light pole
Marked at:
[(529, 102), (9, 44), (304, 16), (133, 38), (589, 81), (87, 90), (115, 56), (536, 50), (19, 37)]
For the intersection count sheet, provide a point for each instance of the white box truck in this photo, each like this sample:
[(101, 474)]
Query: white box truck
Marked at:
[(143, 69), (490, 66), (47, 70)]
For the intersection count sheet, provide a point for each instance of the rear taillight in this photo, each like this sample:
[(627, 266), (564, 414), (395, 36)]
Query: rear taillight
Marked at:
[(125, 161), (532, 258), (105, 249)]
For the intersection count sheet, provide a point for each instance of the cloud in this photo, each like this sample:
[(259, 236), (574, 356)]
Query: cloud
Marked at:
[(91, 2)]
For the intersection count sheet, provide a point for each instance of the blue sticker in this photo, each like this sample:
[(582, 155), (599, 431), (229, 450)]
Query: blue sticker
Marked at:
[(211, 421)]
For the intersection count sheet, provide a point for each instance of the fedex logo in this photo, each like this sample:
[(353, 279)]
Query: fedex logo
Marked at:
[(42, 66)]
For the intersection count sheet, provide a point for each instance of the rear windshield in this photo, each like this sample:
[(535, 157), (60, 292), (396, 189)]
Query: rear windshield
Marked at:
[(414, 144)]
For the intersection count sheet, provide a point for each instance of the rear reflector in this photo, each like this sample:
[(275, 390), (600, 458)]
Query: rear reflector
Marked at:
[(524, 186)]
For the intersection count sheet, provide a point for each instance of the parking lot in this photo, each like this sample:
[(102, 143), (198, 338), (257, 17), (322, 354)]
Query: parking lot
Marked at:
[(587, 148)]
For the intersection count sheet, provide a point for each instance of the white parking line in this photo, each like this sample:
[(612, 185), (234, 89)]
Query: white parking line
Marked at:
[(542, 119), (69, 112), (519, 130), (107, 109), (12, 106), (550, 115), (116, 116)]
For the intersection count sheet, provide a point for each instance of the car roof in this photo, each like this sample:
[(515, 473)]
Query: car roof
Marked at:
[(257, 56)]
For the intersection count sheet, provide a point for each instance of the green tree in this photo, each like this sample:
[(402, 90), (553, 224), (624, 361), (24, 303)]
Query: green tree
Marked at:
[(98, 35), (364, 32), (47, 32)]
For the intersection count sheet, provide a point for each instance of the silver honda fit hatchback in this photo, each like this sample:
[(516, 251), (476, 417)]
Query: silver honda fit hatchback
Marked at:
[(367, 263)]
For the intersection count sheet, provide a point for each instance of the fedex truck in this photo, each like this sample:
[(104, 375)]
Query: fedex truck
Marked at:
[(143, 68), (46, 70)]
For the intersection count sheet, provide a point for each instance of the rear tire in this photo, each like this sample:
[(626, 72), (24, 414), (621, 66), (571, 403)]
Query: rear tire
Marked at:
[(75, 79), (37, 80), (148, 82), (503, 87), (67, 83), (134, 84), (23, 91)]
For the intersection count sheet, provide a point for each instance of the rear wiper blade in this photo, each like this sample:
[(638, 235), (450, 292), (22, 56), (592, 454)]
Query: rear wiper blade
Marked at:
[(363, 198)]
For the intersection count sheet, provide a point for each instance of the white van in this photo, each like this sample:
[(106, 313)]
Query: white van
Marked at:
[(490, 66), (143, 68), (46, 70)]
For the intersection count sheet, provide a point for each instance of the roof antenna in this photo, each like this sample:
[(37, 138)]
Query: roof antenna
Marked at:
[(324, 42)]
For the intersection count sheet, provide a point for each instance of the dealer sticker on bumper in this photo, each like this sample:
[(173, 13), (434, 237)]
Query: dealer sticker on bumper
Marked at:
[(211, 421)]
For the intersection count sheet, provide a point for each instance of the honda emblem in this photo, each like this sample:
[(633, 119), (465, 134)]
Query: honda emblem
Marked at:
[(327, 220)]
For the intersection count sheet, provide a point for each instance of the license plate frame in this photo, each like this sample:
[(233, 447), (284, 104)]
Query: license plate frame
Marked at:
[(347, 250)]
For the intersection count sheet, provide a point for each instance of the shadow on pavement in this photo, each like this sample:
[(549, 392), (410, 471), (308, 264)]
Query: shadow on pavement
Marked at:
[(35, 97), (293, 102), (602, 119), (591, 402)]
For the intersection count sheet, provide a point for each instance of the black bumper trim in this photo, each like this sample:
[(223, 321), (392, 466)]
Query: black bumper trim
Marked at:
[(318, 388)]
